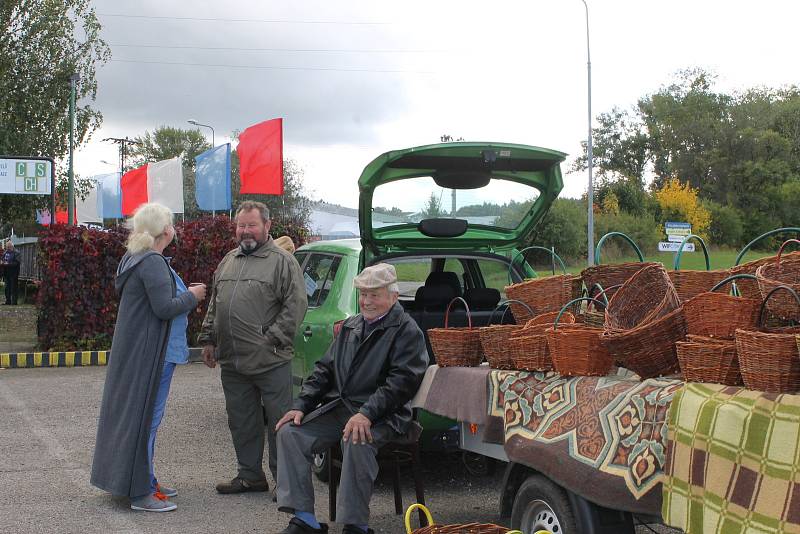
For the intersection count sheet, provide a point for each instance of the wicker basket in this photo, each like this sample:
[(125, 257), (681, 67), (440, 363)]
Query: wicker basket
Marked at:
[(689, 283), (543, 294), (466, 528), (455, 347), (705, 359), (749, 288), (784, 272), (645, 297), (613, 274), (649, 349), (576, 349), (770, 361), (596, 318), (718, 315), (495, 339), (529, 348)]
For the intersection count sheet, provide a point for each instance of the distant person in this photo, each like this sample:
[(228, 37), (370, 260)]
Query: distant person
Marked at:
[(10, 263), (257, 302), (149, 340)]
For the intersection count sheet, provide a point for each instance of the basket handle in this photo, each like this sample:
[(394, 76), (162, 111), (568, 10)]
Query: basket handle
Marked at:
[(731, 279), (466, 306), (780, 250), (602, 292), (677, 262), (612, 234), (570, 303), (505, 303), (550, 251), (769, 295), (423, 509), (788, 229)]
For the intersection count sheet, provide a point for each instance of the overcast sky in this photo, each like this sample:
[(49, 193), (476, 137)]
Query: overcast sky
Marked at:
[(355, 79)]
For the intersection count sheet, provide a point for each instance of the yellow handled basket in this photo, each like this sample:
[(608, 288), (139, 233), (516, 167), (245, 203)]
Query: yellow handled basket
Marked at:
[(467, 528)]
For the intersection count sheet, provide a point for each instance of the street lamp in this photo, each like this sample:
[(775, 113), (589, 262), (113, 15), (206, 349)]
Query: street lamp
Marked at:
[(73, 79), (590, 192), (194, 122)]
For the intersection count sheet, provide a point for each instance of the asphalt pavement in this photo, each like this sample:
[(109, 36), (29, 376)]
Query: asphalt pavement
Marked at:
[(47, 431)]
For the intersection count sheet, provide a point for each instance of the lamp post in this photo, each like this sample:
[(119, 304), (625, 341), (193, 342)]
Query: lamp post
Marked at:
[(590, 191), (71, 183), (194, 122)]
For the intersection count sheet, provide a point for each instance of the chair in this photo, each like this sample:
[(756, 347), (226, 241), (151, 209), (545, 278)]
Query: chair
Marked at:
[(405, 450)]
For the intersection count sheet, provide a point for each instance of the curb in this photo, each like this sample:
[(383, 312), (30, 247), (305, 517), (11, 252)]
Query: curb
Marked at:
[(78, 358)]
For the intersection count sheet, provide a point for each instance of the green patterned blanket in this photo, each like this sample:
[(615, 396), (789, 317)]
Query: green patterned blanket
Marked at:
[(602, 437), (733, 465)]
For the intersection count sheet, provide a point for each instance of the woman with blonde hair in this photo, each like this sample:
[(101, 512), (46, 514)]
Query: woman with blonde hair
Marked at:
[(149, 340)]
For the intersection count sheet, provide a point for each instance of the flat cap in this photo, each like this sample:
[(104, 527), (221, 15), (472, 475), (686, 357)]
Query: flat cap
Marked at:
[(376, 276)]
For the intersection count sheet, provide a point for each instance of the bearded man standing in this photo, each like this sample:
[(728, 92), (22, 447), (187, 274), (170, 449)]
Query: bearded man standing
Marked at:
[(257, 302)]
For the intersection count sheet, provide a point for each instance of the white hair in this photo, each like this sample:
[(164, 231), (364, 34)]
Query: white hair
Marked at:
[(393, 288), (149, 221)]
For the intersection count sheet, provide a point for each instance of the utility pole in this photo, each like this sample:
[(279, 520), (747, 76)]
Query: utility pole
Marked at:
[(123, 144), (73, 79)]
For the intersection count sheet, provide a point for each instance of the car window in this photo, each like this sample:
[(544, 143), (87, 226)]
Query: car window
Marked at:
[(319, 274), (300, 257), (411, 274), (454, 265), (495, 274)]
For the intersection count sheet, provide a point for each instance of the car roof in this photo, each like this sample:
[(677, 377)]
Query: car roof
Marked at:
[(339, 246)]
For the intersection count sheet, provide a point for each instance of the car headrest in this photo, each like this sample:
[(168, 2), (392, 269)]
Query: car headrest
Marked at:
[(482, 298), (447, 278), (437, 296)]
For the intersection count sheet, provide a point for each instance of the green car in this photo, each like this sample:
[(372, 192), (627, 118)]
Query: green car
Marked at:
[(436, 258)]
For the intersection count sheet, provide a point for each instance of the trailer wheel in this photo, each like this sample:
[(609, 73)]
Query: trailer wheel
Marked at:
[(320, 466), (542, 505)]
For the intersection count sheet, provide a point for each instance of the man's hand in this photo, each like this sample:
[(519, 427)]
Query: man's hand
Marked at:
[(358, 427), (292, 416), (208, 356)]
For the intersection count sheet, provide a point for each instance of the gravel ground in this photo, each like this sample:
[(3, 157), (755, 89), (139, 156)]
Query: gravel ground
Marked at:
[(48, 429)]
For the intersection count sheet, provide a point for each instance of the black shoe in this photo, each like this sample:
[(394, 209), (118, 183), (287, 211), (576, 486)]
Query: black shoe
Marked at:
[(240, 485), (352, 529), (297, 526)]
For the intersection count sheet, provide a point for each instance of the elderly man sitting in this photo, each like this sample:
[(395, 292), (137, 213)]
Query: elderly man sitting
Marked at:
[(364, 384)]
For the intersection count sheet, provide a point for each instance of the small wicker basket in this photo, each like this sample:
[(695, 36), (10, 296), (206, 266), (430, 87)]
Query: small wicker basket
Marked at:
[(495, 339), (456, 347), (705, 359), (576, 349), (718, 315), (466, 528), (781, 273), (529, 348)]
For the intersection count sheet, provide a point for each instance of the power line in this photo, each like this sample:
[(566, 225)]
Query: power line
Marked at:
[(236, 48), (271, 67), (262, 21)]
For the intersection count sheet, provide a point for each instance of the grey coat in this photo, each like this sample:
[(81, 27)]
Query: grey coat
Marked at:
[(376, 375), (147, 305)]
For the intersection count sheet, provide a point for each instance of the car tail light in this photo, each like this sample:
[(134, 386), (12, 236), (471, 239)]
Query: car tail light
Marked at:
[(337, 327)]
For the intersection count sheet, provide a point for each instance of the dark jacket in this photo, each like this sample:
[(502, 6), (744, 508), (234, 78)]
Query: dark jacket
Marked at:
[(257, 302), (147, 304), (377, 375)]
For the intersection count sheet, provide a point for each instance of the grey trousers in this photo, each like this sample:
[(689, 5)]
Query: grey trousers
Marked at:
[(298, 444), (244, 396)]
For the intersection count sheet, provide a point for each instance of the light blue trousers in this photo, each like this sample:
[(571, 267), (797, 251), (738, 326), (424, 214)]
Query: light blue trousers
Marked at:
[(158, 415)]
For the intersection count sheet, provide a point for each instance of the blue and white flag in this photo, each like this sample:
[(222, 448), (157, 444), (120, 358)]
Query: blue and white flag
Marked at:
[(109, 197), (213, 179)]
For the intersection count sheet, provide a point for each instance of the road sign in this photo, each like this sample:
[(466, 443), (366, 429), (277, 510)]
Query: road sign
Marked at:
[(677, 228), (21, 176), (672, 246), (676, 238)]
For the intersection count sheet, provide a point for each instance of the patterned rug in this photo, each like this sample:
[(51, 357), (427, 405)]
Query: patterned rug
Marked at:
[(734, 461), (602, 437)]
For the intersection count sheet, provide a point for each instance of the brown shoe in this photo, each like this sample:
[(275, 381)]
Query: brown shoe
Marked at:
[(240, 485)]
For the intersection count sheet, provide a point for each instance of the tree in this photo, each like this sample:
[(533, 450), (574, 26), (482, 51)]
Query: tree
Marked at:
[(433, 208), (680, 202), (43, 44)]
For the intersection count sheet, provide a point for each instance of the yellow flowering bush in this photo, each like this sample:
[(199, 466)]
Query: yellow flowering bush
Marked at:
[(679, 202)]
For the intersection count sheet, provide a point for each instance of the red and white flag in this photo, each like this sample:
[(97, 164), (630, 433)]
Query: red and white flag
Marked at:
[(260, 152), (160, 182)]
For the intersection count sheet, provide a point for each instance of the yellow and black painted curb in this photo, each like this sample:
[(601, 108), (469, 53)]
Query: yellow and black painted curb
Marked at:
[(12, 360)]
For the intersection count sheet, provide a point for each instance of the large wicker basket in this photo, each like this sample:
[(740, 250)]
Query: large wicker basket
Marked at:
[(769, 361), (718, 315), (645, 297), (649, 349), (612, 274), (749, 288), (465, 528), (689, 283), (456, 347), (543, 294), (576, 349), (784, 272), (705, 359)]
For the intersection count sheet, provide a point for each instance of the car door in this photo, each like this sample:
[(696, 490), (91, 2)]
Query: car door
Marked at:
[(315, 334)]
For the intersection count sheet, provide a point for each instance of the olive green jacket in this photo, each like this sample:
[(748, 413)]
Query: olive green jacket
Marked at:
[(257, 303)]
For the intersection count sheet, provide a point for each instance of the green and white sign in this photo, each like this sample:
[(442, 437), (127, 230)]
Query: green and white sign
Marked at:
[(25, 176)]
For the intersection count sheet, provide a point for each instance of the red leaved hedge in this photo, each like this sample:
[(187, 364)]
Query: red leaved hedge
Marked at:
[(76, 298)]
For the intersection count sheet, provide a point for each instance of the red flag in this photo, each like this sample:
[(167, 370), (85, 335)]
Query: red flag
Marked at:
[(261, 158), (134, 189)]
